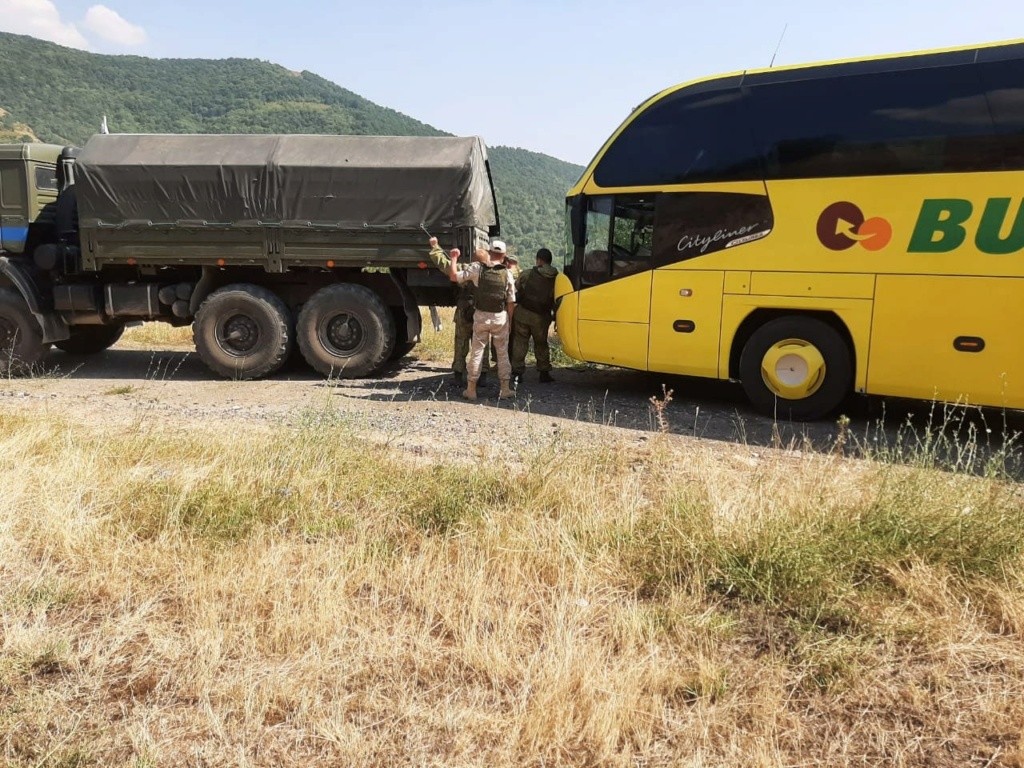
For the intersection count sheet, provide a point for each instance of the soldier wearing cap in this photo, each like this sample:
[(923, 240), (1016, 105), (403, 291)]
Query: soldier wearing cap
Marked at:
[(463, 319), (494, 308), (512, 262)]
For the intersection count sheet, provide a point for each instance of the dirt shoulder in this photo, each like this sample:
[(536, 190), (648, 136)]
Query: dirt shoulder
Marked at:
[(415, 404)]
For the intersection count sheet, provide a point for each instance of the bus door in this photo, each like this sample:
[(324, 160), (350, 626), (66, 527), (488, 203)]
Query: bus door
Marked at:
[(695, 236), (615, 280)]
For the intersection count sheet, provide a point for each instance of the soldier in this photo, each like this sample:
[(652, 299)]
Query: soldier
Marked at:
[(535, 290), (492, 318), (512, 262), (463, 319)]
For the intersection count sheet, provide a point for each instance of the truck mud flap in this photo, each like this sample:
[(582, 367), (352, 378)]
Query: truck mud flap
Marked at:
[(413, 322), (53, 326)]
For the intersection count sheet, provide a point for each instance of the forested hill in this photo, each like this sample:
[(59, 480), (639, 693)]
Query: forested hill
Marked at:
[(55, 94)]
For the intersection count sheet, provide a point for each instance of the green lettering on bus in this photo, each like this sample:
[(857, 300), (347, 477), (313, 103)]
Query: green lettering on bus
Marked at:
[(940, 226), (992, 220)]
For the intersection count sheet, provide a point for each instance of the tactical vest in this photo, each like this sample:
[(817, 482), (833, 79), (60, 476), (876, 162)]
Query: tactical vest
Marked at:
[(537, 293), (492, 289)]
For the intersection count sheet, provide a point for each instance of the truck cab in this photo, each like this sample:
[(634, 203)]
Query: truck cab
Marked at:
[(28, 191)]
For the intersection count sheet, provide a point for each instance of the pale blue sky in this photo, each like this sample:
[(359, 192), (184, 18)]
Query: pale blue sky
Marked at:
[(555, 77)]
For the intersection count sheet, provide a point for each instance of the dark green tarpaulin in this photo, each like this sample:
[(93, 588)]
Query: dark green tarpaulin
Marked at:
[(349, 182)]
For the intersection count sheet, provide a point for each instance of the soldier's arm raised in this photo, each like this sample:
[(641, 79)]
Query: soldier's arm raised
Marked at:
[(438, 256), (452, 273), (510, 298)]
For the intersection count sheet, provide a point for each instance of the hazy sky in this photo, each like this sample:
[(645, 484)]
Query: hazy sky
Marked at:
[(555, 77)]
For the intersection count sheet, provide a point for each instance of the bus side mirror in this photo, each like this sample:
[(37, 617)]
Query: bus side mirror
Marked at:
[(577, 218)]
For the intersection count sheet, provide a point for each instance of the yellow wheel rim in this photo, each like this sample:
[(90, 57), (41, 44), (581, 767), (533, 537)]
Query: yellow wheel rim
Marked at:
[(793, 369)]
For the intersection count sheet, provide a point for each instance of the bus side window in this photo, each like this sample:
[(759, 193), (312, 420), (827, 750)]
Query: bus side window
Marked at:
[(632, 236), (690, 136), (596, 267), (925, 120), (1004, 91), (620, 236)]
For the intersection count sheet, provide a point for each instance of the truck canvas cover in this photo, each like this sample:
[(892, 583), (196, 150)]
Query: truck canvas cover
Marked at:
[(338, 182)]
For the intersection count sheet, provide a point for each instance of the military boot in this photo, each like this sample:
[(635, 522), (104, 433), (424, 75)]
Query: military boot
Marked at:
[(482, 382), (458, 377), (546, 378), (470, 393), (505, 390)]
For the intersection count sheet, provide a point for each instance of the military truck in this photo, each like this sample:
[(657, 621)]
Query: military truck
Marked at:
[(264, 244)]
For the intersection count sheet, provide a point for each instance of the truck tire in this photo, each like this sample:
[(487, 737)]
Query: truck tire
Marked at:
[(21, 338), (402, 348), (90, 339), (346, 330), (796, 368), (243, 332)]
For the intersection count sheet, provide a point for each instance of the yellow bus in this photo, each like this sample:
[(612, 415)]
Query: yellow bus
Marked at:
[(812, 231)]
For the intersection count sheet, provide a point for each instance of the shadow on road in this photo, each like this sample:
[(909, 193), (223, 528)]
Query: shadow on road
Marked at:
[(979, 441), (966, 439)]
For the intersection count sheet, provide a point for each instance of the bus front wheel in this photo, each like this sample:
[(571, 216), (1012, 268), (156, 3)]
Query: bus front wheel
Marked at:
[(796, 368)]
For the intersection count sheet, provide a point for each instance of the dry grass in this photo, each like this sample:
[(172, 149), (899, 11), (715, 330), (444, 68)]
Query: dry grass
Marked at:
[(435, 346), (294, 597), (157, 336)]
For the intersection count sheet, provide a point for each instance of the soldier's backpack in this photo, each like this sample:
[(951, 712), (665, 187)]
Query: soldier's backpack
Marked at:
[(492, 289), (537, 293)]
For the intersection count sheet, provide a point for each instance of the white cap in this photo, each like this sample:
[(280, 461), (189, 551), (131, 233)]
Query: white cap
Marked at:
[(497, 246)]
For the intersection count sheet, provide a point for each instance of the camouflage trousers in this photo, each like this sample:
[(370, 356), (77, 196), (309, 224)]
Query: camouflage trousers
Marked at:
[(463, 335), (488, 326), (528, 325)]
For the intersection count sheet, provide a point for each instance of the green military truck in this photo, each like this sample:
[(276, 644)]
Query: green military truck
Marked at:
[(264, 244)]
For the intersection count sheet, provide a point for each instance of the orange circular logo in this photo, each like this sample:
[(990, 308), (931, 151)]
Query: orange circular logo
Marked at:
[(842, 225)]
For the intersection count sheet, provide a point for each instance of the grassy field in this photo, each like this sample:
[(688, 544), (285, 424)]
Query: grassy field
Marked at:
[(292, 596)]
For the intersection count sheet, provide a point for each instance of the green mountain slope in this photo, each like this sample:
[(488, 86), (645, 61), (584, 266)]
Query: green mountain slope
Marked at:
[(56, 94)]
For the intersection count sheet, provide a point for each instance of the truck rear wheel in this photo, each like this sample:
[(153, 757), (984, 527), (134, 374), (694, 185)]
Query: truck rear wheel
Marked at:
[(402, 349), (346, 330), (243, 332), (21, 338), (796, 368), (90, 339)]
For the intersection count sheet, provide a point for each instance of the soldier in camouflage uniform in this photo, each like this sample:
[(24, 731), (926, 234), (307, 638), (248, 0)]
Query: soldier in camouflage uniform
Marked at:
[(463, 319), (512, 262), (492, 319), (535, 291)]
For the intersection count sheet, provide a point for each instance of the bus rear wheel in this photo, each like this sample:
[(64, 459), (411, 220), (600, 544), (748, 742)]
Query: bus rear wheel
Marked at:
[(796, 368)]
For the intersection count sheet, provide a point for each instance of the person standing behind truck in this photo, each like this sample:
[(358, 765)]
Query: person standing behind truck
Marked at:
[(495, 302), (499, 251), (512, 262), (463, 318), (535, 291)]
